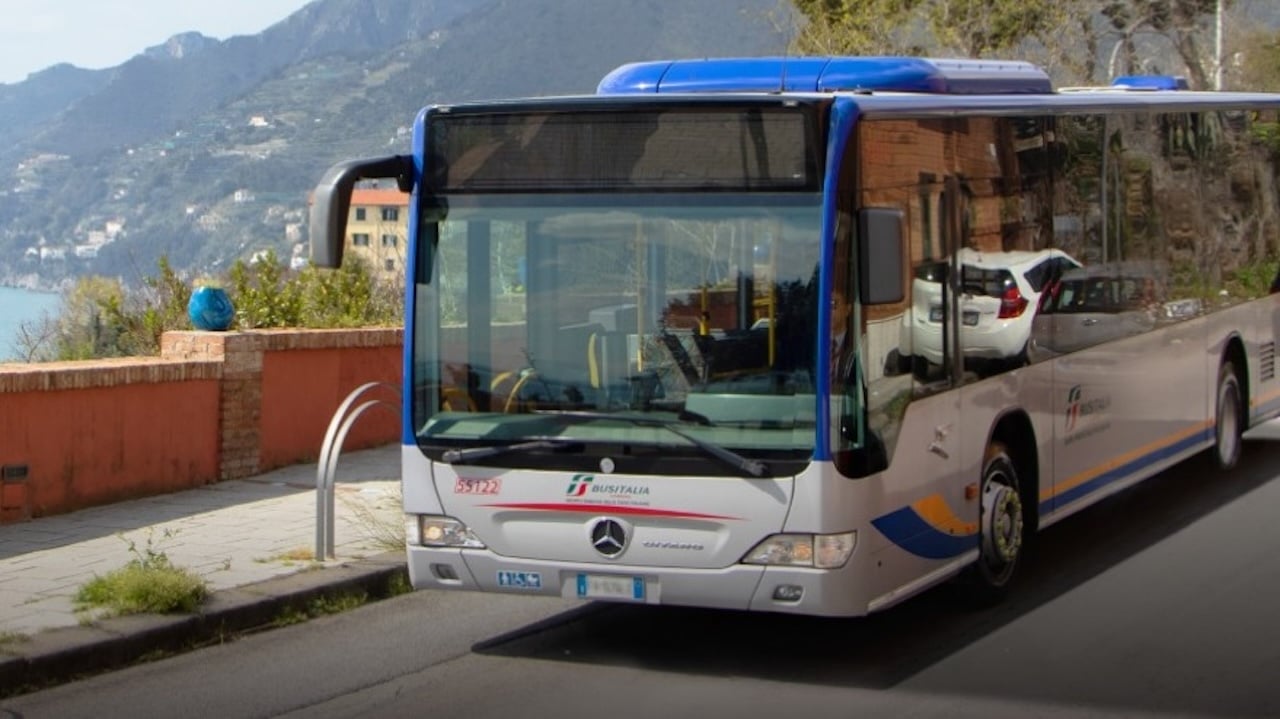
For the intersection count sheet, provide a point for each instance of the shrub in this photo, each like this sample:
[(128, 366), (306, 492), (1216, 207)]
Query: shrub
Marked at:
[(267, 295), (149, 583), (101, 317)]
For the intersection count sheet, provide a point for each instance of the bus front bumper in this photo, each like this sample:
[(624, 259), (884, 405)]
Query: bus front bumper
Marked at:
[(791, 590)]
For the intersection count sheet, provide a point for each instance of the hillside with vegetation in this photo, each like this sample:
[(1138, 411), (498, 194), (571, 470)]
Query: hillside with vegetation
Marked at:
[(204, 151)]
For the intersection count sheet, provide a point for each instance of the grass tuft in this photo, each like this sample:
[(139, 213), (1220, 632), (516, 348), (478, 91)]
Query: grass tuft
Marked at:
[(10, 640), (321, 606), (148, 584)]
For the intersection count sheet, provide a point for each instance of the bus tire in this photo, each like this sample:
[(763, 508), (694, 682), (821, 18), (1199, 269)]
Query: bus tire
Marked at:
[(1228, 423), (1001, 528)]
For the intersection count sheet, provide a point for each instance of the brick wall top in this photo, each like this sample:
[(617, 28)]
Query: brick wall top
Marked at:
[(84, 374), (217, 345), (331, 339), (186, 356)]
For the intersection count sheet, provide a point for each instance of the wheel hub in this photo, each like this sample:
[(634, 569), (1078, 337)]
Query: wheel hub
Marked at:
[(1002, 522)]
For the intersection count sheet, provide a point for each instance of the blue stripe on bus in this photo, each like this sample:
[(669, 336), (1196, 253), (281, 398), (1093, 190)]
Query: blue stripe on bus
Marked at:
[(1126, 469), (1265, 407), (907, 529), (844, 115)]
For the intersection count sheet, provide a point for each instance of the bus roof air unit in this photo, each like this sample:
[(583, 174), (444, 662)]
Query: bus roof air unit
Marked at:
[(1150, 82), (828, 74)]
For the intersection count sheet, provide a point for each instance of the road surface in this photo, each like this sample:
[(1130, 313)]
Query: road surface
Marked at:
[(1162, 601)]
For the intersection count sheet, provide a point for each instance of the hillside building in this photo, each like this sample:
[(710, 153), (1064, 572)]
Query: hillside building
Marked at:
[(377, 228)]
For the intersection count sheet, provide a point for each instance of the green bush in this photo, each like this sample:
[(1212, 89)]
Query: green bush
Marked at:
[(1254, 279), (101, 317), (266, 295)]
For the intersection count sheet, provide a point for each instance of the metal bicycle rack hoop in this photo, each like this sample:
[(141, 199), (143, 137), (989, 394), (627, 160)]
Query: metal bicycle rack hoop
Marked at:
[(345, 416)]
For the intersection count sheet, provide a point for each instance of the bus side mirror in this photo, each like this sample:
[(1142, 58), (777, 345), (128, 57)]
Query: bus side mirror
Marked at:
[(332, 200), (880, 244)]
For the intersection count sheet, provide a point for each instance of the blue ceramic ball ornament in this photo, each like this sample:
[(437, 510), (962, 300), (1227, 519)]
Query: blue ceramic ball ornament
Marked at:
[(210, 309)]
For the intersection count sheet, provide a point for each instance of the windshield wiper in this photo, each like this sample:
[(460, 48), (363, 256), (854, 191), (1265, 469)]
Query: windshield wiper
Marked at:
[(753, 467), (471, 454)]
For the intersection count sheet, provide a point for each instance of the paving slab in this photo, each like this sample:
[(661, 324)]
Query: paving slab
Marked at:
[(251, 540)]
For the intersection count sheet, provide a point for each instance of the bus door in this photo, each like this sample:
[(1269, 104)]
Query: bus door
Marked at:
[(944, 435), (929, 518)]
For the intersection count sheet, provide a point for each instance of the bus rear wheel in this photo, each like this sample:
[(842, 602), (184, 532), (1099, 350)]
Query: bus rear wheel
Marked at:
[(1228, 422), (1001, 527)]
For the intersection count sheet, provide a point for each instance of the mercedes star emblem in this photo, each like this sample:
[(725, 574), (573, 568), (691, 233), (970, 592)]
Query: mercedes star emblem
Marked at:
[(609, 537)]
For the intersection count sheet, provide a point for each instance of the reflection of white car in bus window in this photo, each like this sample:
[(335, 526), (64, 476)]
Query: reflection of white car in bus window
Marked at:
[(1091, 306), (999, 294)]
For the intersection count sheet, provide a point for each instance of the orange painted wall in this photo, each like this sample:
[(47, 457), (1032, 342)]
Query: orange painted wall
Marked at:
[(95, 445), (214, 406), (301, 389)]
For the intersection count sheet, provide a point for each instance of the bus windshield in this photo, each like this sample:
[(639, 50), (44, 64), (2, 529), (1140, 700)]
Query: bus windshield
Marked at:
[(628, 313)]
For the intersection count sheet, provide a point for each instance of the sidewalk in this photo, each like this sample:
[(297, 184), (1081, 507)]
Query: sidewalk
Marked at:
[(252, 540)]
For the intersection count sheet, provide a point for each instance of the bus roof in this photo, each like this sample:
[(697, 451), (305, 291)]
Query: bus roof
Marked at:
[(884, 86), (828, 74), (921, 86)]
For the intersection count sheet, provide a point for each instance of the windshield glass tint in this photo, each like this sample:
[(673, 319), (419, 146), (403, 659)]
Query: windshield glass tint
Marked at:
[(668, 307)]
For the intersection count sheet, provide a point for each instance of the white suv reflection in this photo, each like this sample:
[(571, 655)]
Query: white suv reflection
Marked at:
[(999, 295)]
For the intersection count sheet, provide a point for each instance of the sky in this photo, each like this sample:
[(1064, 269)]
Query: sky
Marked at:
[(94, 34)]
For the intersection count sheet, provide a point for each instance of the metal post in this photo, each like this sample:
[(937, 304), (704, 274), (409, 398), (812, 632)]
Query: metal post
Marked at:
[(330, 449)]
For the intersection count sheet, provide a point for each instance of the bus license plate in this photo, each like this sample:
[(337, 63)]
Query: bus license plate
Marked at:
[(610, 586)]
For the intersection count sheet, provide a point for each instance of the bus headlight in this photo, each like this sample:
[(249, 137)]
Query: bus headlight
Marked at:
[(824, 551), (435, 531)]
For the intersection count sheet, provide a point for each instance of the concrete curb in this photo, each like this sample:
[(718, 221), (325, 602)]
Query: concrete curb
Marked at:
[(61, 655)]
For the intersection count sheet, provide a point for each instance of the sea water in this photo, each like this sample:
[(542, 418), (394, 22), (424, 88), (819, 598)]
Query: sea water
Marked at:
[(18, 307)]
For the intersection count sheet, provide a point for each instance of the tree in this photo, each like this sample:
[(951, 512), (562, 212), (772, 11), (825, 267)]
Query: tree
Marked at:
[(853, 27), (973, 28), (1065, 37), (1260, 70), (981, 28), (1259, 67), (87, 327), (1180, 23)]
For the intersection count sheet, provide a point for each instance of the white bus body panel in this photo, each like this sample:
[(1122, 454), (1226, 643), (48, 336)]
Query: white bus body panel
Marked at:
[(686, 522), (688, 535), (1264, 399), (1126, 410), (1103, 418)]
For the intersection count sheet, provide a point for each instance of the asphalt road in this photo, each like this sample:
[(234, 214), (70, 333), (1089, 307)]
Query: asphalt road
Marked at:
[(1162, 601)]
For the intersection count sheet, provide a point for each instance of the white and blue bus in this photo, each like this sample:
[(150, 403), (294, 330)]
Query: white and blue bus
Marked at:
[(811, 335)]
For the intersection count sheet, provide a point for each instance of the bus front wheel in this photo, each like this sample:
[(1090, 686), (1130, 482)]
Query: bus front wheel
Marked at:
[(1228, 425), (1001, 528)]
